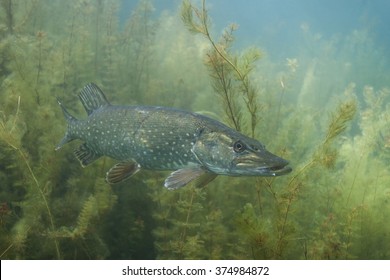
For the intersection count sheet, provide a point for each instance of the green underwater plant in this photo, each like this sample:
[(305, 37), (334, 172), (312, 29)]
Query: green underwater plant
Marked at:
[(230, 73), (45, 200), (334, 205), (271, 223), (10, 134)]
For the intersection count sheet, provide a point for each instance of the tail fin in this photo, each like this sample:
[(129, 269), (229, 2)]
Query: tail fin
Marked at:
[(69, 118)]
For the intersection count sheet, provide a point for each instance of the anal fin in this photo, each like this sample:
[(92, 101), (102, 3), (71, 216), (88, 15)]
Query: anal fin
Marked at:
[(122, 171), (86, 155), (181, 177)]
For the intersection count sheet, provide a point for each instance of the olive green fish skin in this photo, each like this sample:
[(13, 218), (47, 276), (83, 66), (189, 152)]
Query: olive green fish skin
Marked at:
[(159, 138), (152, 136)]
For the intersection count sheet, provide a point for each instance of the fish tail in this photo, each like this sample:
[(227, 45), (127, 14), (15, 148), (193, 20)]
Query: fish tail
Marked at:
[(70, 119)]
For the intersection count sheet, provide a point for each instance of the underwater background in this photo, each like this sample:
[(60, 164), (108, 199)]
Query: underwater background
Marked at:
[(309, 79)]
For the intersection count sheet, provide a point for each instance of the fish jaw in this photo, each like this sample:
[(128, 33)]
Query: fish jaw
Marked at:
[(274, 171), (260, 163)]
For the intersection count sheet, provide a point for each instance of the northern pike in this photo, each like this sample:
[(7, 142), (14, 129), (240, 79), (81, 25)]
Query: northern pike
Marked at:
[(197, 148)]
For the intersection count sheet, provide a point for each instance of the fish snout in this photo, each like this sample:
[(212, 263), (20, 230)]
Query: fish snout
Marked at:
[(262, 163)]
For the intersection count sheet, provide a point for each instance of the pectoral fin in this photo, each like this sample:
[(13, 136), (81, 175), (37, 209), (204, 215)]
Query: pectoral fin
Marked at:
[(182, 177), (122, 171)]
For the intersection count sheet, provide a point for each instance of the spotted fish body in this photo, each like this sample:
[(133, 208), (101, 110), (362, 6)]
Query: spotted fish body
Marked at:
[(196, 147)]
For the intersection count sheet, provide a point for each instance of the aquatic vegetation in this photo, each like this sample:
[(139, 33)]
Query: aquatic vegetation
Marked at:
[(325, 108), (11, 134), (47, 201), (230, 73)]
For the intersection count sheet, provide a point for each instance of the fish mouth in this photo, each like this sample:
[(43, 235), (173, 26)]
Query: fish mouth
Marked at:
[(270, 166), (275, 170)]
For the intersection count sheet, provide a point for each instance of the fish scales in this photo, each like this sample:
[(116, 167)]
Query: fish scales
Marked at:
[(157, 138), (196, 147)]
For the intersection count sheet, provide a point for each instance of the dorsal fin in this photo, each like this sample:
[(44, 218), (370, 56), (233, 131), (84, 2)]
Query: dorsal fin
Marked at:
[(92, 98)]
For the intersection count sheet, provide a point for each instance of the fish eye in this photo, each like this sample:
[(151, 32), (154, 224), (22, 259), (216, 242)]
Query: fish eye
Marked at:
[(238, 146)]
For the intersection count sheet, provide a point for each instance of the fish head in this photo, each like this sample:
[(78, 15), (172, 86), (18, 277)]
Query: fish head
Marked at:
[(234, 154)]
